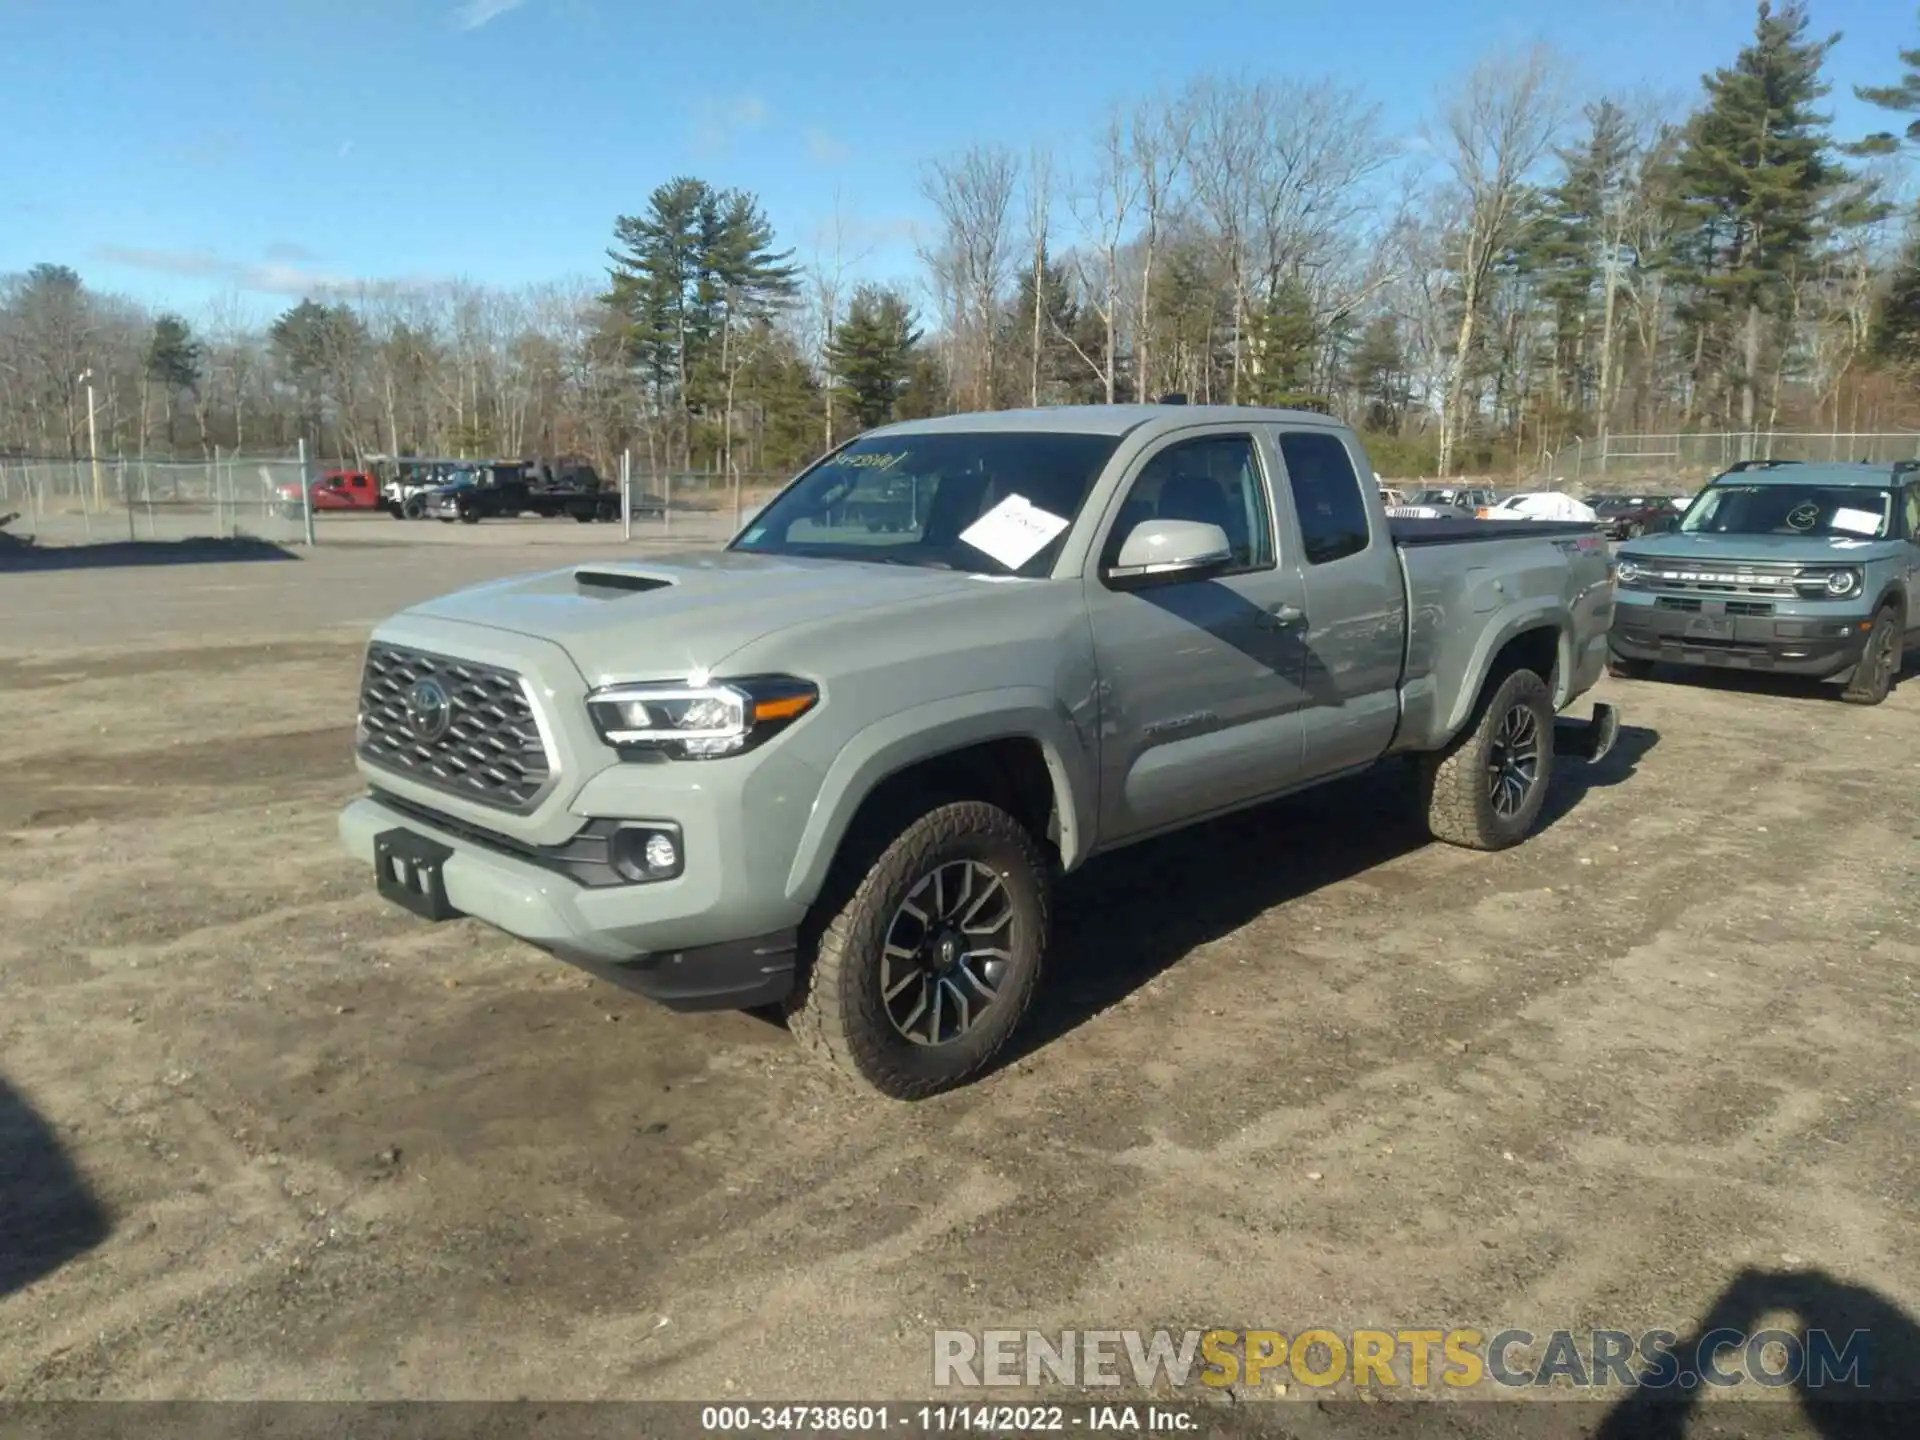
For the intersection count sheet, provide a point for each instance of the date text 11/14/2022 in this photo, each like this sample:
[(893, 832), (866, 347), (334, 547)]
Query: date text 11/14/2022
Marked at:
[(946, 1419)]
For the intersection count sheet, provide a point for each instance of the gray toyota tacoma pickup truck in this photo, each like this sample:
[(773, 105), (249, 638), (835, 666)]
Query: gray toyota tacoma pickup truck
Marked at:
[(840, 767)]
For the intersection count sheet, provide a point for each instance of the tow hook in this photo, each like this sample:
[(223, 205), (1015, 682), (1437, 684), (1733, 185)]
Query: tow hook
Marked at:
[(1589, 740)]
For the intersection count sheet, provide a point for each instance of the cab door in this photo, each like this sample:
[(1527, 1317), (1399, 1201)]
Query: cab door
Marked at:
[(1354, 640), (1199, 678)]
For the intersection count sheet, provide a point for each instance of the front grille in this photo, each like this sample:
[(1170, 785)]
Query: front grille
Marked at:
[(1776, 581), (1730, 607), (483, 745)]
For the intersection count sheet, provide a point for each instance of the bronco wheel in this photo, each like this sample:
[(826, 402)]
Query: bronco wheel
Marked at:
[(1880, 662), (919, 977), (413, 508), (1485, 790)]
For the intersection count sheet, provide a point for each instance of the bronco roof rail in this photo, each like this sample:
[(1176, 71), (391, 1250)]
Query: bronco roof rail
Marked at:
[(1739, 465), (1905, 467)]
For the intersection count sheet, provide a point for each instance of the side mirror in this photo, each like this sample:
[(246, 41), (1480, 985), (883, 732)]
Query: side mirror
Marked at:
[(1164, 550)]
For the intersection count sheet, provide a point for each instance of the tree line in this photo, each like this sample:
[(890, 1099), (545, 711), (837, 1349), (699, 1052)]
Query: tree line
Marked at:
[(1527, 271)]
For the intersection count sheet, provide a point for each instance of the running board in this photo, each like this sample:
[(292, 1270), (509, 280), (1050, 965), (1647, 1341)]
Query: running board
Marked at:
[(1587, 740)]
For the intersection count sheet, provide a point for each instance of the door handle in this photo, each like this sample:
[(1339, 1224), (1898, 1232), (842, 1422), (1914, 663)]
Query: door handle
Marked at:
[(1283, 617)]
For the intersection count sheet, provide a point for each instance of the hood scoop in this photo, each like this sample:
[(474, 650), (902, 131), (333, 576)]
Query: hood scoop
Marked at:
[(611, 584)]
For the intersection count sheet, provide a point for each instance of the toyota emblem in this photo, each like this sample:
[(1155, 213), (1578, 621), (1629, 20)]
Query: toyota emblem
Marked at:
[(429, 710)]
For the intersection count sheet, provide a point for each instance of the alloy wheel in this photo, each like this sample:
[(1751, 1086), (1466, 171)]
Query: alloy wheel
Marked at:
[(1513, 761), (946, 952)]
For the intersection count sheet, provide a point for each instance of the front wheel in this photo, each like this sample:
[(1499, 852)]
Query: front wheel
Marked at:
[(469, 517), (414, 508), (920, 976), (1880, 662), (1485, 791)]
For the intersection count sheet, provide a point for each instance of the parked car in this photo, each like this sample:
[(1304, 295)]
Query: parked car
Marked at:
[(336, 490), (1443, 502), (838, 769), (1537, 505), (1627, 517), (1783, 567)]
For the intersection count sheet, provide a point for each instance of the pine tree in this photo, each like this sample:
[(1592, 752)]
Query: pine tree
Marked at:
[(1895, 337), (1903, 98), (873, 354), (684, 273), (1567, 257), (1377, 374), (1755, 182), (172, 362)]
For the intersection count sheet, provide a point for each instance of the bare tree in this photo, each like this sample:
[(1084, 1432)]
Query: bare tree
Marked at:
[(1495, 135), (973, 193), (1103, 214), (1039, 233), (1160, 139)]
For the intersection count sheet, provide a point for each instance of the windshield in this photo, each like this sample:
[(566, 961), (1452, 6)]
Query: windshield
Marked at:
[(995, 503), (1620, 502), (1833, 512)]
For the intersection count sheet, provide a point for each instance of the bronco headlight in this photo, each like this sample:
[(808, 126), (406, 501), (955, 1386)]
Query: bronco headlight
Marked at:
[(1626, 572), (699, 721), (1843, 582)]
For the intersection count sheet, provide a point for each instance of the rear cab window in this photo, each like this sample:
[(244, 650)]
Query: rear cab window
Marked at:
[(1327, 500)]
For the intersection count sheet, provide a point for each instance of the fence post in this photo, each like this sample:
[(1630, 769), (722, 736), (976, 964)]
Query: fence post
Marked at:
[(666, 505), (626, 494), (306, 495)]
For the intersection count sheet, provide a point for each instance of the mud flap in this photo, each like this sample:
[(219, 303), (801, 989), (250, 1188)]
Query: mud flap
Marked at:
[(1587, 740)]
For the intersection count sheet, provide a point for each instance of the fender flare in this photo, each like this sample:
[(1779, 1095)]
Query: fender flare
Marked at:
[(926, 732), (1542, 614)]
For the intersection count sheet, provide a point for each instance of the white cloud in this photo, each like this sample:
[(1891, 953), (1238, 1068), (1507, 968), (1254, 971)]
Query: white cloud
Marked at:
[(475, 13), (719, 123), (287, 270), (823, 148)]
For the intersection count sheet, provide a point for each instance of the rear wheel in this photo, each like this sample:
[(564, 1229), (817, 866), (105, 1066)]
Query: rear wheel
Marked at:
[(413, 508), (1485, 791), (919, 977), (1880, 664), (469, 515)]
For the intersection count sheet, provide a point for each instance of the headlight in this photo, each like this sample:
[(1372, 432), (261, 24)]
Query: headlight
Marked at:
[(1626, 573), (1843, 582), (699, 722)]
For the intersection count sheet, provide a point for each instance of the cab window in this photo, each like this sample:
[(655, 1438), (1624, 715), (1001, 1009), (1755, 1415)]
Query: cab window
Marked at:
[(1214, 479), (1326, 495)]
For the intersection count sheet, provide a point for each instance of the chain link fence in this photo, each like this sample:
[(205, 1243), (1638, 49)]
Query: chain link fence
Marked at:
[(62, 502), (1683, 463), (698, 507)]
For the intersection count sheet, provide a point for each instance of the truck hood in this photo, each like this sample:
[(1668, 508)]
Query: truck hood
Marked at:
[(1781, 549), (665, 618)]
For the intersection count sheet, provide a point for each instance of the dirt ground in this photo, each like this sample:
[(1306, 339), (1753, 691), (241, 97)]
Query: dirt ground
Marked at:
[(268, 1136)]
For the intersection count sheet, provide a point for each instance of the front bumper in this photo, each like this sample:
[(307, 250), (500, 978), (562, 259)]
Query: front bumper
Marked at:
[(1819, 648), (669, 940)]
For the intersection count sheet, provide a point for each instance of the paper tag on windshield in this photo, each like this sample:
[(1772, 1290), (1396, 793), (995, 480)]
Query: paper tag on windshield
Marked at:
[(1860, 522), (1014, 531)]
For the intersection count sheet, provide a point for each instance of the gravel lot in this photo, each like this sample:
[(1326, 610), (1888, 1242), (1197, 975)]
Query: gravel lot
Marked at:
[(267, 1136)]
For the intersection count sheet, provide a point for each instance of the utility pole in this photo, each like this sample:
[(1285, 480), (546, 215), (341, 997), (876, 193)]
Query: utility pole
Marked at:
[(93, 442)]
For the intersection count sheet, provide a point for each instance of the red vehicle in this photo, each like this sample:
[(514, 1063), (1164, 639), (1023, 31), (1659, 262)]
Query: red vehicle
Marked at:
[(336, 490)]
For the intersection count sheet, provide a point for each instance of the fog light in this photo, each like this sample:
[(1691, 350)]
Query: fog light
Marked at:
[(660, 853), (645, 852)]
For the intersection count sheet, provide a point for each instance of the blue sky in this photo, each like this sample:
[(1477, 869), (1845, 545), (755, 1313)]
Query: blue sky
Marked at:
[(176, 150)]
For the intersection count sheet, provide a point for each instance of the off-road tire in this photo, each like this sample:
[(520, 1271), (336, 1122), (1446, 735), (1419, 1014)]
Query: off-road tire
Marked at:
[(1454, 792), (836, 1011), (1880, 666), (413, 508), (1624, 667), (469, 515)]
